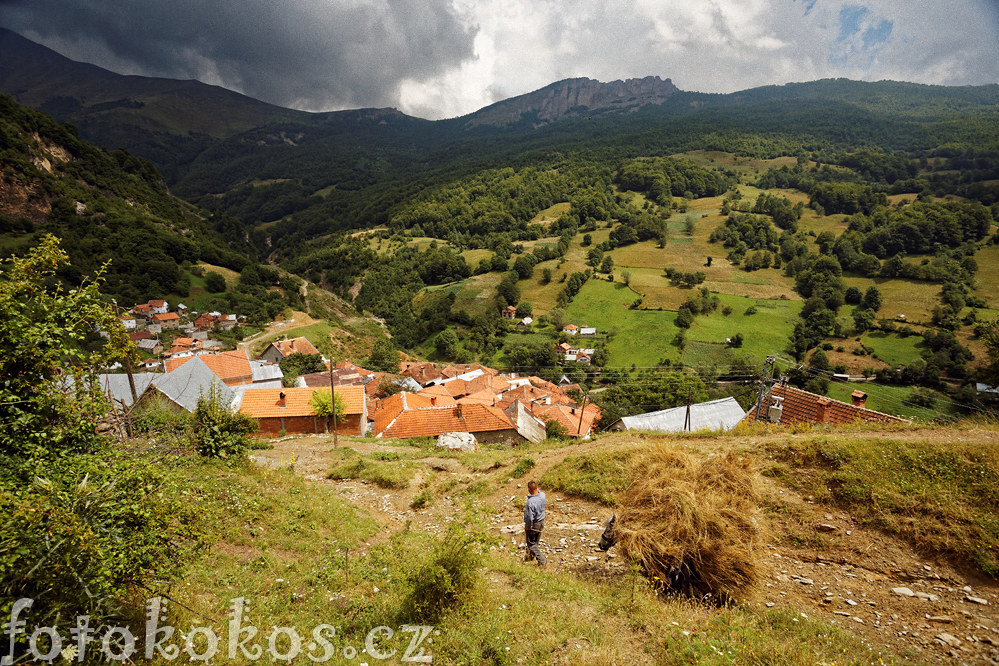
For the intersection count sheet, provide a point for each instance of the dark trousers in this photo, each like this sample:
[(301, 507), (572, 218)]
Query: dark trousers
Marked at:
[(534, 542)]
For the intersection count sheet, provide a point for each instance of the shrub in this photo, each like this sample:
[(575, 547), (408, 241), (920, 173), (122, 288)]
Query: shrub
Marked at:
[(524, 465), (423, 499), (218, 431), (555, 430), (449, 573)]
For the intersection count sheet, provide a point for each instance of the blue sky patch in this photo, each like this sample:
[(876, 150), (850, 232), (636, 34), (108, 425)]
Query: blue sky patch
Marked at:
[(808, 5), (849, 21), (861, 35), (876, 35)]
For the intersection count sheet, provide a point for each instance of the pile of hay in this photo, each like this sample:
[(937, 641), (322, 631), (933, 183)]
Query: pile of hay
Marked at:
[(692, 524)]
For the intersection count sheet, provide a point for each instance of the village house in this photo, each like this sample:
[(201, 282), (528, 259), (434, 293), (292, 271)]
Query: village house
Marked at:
[(150, 346), (290, 410), (182, 388), (143, 310), (227, 322), (571, 329), (509, 312), (168, 320), (204, 321), (127, 322), (488, 424), (278, 350), (159, 306), (422, 373)]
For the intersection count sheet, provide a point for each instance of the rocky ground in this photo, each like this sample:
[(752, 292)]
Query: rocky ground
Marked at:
[(875, 586)]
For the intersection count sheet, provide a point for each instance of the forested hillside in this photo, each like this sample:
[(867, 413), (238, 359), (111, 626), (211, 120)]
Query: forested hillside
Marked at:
[(106, 207)]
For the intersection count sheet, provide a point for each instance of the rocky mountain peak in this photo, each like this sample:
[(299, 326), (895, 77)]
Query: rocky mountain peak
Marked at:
[(574, 97)]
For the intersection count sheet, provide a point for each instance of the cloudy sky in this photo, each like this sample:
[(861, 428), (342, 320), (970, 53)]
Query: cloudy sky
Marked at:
[(443, 58)]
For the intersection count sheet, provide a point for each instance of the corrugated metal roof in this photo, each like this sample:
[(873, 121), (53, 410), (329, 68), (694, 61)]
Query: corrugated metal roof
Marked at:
[(263, 372), (721, 414), (189, 382), (116, 385)]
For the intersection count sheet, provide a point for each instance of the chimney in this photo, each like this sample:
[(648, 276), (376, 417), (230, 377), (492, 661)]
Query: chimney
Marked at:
[(859, 399), (457, 411), (281, 401), (433, 400), (822, 410)]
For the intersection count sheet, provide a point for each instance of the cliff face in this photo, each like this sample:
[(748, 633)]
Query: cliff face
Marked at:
[(574, 97)]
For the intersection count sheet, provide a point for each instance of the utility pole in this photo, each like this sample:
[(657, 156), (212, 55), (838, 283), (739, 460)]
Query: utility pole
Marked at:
[(765, 381), (336, 440), (686, 419)]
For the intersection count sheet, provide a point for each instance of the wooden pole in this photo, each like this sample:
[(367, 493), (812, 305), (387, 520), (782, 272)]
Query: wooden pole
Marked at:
[(336, 439)]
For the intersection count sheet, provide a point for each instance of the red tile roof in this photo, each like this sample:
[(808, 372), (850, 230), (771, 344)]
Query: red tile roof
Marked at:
[(231, 366), (442, 394), (570, 417), (421, 373), (295, 346), (431, 422), (166, 316), (803, 407)]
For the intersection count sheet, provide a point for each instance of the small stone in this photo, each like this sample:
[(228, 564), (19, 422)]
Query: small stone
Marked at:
[(976, 600), (927, 597), (591, 558), (825, 527), (903, 592), (851, 602), (967, 588), (809, 581), (943, 619), (859, 620), (771, 604), (844, 614), (948, 639)]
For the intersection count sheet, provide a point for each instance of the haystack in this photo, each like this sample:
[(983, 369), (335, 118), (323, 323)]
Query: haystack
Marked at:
[(692, 524)]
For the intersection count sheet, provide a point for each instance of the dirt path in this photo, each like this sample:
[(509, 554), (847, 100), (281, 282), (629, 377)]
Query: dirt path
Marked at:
[(872, 585), (277, 327)]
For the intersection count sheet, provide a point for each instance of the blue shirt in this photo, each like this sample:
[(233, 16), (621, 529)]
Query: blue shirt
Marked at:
[(534, 509)]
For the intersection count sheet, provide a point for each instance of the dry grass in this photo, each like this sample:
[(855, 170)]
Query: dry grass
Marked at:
[(692, 522)]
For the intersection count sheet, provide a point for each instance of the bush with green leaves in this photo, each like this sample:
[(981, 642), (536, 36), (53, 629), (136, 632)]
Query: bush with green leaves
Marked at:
[(449, 573), (218, 431), (81, 518), (92, 527)]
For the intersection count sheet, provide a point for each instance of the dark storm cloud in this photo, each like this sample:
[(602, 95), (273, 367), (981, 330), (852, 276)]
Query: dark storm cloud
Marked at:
[(308, 54)]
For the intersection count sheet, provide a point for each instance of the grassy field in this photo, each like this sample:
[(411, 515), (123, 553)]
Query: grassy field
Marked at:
[(988, 275), (766, 332), (639, 337), (891, 399), (476, 294), (913, 299), (893, 349)]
